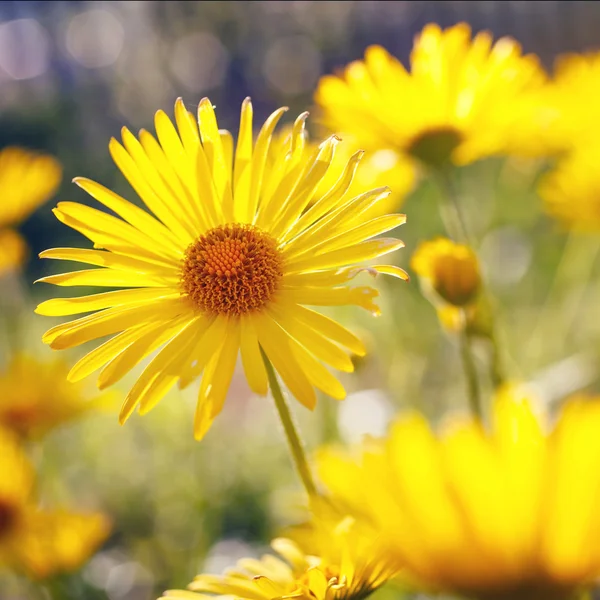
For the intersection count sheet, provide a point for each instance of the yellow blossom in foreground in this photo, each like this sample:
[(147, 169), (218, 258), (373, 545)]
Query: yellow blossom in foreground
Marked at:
[(35, 396), (509, 514), (571, 190), (27, 179), (463, 99), (236, 251), (40, 542), (343, 568), (451, 269), (377, 169)]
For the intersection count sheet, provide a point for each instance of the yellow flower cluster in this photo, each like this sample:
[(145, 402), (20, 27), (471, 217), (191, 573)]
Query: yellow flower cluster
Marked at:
[(240, 240), (35, 540)]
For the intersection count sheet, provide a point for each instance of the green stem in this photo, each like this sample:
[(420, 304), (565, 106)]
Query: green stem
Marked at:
[(450, 208), (473, 388), (291, 433), (457, 229), (575, 268)]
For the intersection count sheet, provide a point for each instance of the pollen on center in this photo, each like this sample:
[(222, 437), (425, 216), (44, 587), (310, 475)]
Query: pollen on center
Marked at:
[(231, 270)]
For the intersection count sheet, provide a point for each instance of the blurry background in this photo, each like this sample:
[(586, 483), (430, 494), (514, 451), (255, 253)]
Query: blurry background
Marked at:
[(73, 73)]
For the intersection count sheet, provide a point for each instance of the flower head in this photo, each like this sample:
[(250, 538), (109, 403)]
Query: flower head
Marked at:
[(40, 542), (451, 269), (461, 100), (237, 247), (507, 514), (35, 396), (27, 179), (571, 190), (59, 541), (339, 566)]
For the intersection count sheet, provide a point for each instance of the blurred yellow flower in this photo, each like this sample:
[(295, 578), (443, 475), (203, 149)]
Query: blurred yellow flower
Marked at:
[(59, 541), (35, 396), (463, 99), (509, 514), (377, 169), (451, 269), (342, 571), (27, 179), (13, 250), (571, 190), (35, 541), (238, 251), (576, 79)]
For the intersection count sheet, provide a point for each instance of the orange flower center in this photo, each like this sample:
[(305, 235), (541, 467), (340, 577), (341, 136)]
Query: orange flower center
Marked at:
[(232, 270)]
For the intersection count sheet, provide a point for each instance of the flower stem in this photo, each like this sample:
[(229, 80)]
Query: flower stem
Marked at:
[(457, 229), (473, 388), (291, 433), (569, 284)]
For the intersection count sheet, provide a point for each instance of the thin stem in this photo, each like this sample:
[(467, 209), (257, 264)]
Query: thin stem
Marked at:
[(450, 208), (291, 433), (473, 388), (457, 229), (572, 275)]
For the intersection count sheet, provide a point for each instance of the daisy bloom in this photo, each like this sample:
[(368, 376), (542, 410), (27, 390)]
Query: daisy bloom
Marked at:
[(451, 269), (36, 397), (571, 190), (40, 542), (340, 572), (27, 179), (236, 249), (462, 99), (506, 514)]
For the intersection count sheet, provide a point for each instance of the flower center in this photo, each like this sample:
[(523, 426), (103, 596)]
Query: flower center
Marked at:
[(7, 518), (232, 270), (435, 147)]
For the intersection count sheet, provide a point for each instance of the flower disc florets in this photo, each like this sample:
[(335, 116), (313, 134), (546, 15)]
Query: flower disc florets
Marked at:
[(232, 269)]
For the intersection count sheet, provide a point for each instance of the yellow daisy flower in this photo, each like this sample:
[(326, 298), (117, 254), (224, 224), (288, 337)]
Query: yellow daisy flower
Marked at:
[(461, 100), (59, 541), (27, 179), (235, 252), (35, 396), (344, 569), (451, 269), (509, 514), (571, 190), (38, 542)]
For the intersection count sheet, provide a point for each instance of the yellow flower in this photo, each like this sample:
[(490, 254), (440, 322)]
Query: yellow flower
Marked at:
[(451, 269), (571, 190), (59, 541), (27, 179), (225, 268), (35, 396), (462, 100), (576, 78), (512, 513), (13, 250), (377, 169), (343, 568), (40, 543)]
